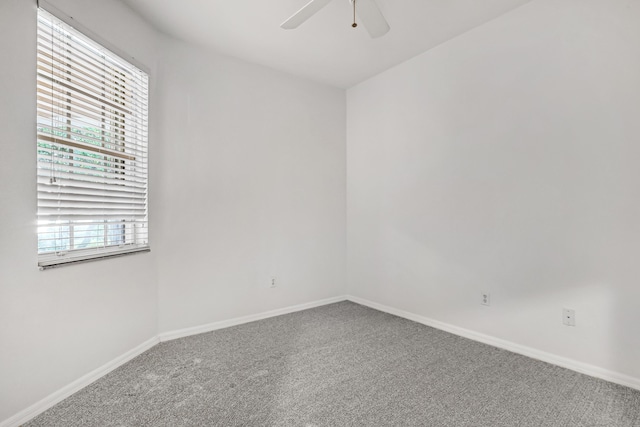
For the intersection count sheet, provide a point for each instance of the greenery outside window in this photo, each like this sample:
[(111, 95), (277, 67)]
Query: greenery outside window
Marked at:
[(92, 148)]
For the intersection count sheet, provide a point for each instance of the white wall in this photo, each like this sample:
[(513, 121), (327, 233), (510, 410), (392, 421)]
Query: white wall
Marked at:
[(253, 185), (506, 160), (58, 325), (247, 181)]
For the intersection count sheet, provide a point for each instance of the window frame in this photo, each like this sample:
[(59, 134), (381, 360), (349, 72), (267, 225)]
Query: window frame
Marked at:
[(109, 248)]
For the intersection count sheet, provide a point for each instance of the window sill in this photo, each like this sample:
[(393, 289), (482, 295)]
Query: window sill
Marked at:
[(82, 258)]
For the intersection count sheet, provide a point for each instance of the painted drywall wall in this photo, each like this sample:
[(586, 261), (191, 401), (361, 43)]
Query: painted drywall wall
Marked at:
[(247, 183), (253, 187), (58, 325), (506, 161)]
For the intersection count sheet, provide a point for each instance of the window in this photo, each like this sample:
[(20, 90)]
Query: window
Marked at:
[(92, 148)]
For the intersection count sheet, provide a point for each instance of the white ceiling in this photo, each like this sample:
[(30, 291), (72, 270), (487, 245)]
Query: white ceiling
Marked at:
[(325, 48)]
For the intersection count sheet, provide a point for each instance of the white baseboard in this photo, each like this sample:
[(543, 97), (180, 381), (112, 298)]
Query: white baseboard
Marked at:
[(181, 333), (564, 362), (58, 396)]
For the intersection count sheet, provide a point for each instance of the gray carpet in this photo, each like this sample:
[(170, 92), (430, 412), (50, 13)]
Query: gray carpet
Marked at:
[(341, 365)]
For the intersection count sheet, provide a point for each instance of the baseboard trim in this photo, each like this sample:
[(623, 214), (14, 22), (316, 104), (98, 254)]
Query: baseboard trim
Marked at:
[(58, 396), (195, 330), (574, 365)]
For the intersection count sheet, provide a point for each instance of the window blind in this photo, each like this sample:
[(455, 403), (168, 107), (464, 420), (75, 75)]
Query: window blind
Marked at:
[(92, 148)]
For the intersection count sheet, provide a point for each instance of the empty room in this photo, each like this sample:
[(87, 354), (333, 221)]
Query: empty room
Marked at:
[(320, 213)]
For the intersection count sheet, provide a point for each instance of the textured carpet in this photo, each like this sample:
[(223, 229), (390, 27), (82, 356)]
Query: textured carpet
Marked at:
[(341, 365)]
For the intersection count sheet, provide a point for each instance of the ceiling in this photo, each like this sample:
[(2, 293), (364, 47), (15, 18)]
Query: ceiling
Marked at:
[(325, 48)]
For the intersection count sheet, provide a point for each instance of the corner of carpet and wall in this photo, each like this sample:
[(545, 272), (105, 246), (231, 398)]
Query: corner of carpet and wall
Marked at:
[(54, 398)]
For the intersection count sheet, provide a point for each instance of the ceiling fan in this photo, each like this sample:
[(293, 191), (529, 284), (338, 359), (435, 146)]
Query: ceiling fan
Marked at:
[(367, 11)]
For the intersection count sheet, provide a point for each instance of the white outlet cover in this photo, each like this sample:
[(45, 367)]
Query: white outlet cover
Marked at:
[(485, 298), (568, 317)]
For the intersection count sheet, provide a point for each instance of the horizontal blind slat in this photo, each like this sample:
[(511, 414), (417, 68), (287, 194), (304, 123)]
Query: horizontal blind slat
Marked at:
[(92, 147), (89, 159), (53, 49), (78, 117), (65, 178), (96, 61), (83, 146), (70, 69), (58, 74), (48, 168), (51, 25), (53, 223), (59, 109), (63, 187), (88, 216)]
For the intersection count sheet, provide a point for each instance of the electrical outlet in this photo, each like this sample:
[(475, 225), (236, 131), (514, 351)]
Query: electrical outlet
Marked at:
[(273, 282), (568, 317), (485, 298)]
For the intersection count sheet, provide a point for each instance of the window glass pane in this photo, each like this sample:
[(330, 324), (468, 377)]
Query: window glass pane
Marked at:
[(92, 153)]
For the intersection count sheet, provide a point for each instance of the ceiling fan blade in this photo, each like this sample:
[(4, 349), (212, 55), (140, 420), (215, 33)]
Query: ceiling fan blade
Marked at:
[(303, 14), (372, 18)]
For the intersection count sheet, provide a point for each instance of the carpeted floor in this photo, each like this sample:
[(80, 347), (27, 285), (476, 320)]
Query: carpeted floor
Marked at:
[(341, 365)]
